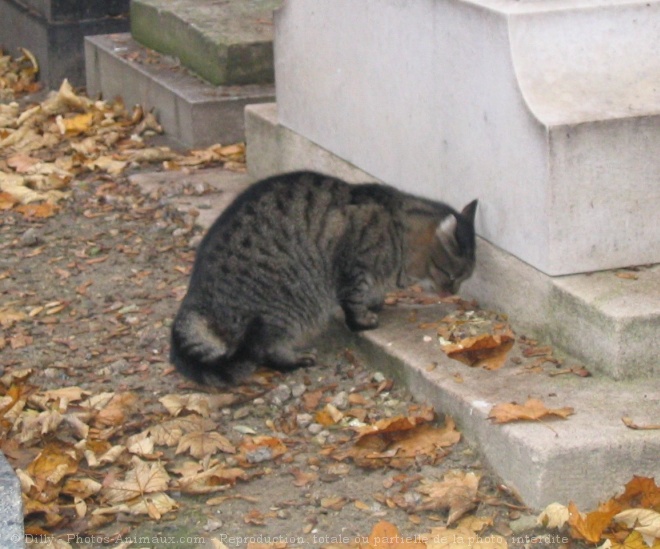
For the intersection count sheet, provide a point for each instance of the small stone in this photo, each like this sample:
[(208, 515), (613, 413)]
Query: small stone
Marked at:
[(242, 413), (30, 237), (524, 523), (315, 428), (212, 525), (283, 514), (259, 455), (280, 394), (378, 377), (340, 400), (304, 420), (180, 231), (194, 242), (298, 390)]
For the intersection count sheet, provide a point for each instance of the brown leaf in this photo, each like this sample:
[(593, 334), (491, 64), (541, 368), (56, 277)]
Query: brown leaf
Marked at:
[(456, 492), (200, 444), (532, 410), (144, 478), (38, 211), (303, 478), (489, 351), (590, 527)]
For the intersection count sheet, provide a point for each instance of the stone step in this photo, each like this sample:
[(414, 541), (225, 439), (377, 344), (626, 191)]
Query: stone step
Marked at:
[(54, 31), (596, 318), (226, 43), (586, 458), (192, 111)]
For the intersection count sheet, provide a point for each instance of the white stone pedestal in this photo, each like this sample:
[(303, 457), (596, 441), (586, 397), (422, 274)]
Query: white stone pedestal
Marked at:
[(548, 111)]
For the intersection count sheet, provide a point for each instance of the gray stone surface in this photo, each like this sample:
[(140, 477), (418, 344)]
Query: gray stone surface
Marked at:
[(192, 112), (610, 323), (547, 110), (57, 44), (227, 43), (586, 458), (222, 187), (11, 508), (272, 149)]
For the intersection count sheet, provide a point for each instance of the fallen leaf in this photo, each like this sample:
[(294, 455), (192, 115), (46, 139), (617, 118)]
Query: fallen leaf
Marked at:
[(532, 410), (200, 444), (457, 491), (554, 515), (489, 351)]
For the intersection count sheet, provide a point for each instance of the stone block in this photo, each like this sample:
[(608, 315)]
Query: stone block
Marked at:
[(54, 32), (548, 112), (193, 112), (226, 43)]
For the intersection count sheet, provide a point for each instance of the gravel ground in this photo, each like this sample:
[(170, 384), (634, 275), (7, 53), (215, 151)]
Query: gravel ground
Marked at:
[(95, 288)]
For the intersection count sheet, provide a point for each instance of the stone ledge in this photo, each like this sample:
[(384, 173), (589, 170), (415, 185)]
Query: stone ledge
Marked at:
[(226, 43), (193, 112), (586, 458), (57, 45)]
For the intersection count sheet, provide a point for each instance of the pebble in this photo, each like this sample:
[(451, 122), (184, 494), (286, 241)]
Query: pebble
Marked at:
[(378, 377), (304, 420), (30, 237), (242, 413), (315, 428), (525, 522), (298, 390), (180, 231), (194, 242), (340, 400), (280, 394), (212, 525), (259, 455)]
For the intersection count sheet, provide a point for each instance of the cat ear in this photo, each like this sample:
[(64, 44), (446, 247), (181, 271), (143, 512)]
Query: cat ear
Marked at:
[(469, 211), (446, 230)]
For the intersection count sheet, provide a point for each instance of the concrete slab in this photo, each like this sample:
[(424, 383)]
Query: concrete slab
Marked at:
[(54, 33), (547, 111), (11, 508), (610, 323), (226, 43), (208, 192), (587, 458), (193, 112)]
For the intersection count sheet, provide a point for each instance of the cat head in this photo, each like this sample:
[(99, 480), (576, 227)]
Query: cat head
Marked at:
[(452, 254)]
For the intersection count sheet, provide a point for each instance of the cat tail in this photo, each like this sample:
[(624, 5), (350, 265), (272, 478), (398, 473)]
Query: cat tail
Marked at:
[(197, 351)]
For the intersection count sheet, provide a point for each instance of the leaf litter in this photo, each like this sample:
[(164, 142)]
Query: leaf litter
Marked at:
[(106, 439)]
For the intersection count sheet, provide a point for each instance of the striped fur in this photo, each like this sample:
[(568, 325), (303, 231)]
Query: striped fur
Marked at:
[(275, 265)]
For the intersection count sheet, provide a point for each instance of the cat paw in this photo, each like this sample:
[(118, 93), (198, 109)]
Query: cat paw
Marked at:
[(306, 358), (366, 320)]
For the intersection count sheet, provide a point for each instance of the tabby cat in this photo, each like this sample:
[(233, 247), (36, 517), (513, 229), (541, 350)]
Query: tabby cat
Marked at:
[(278, 261)]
